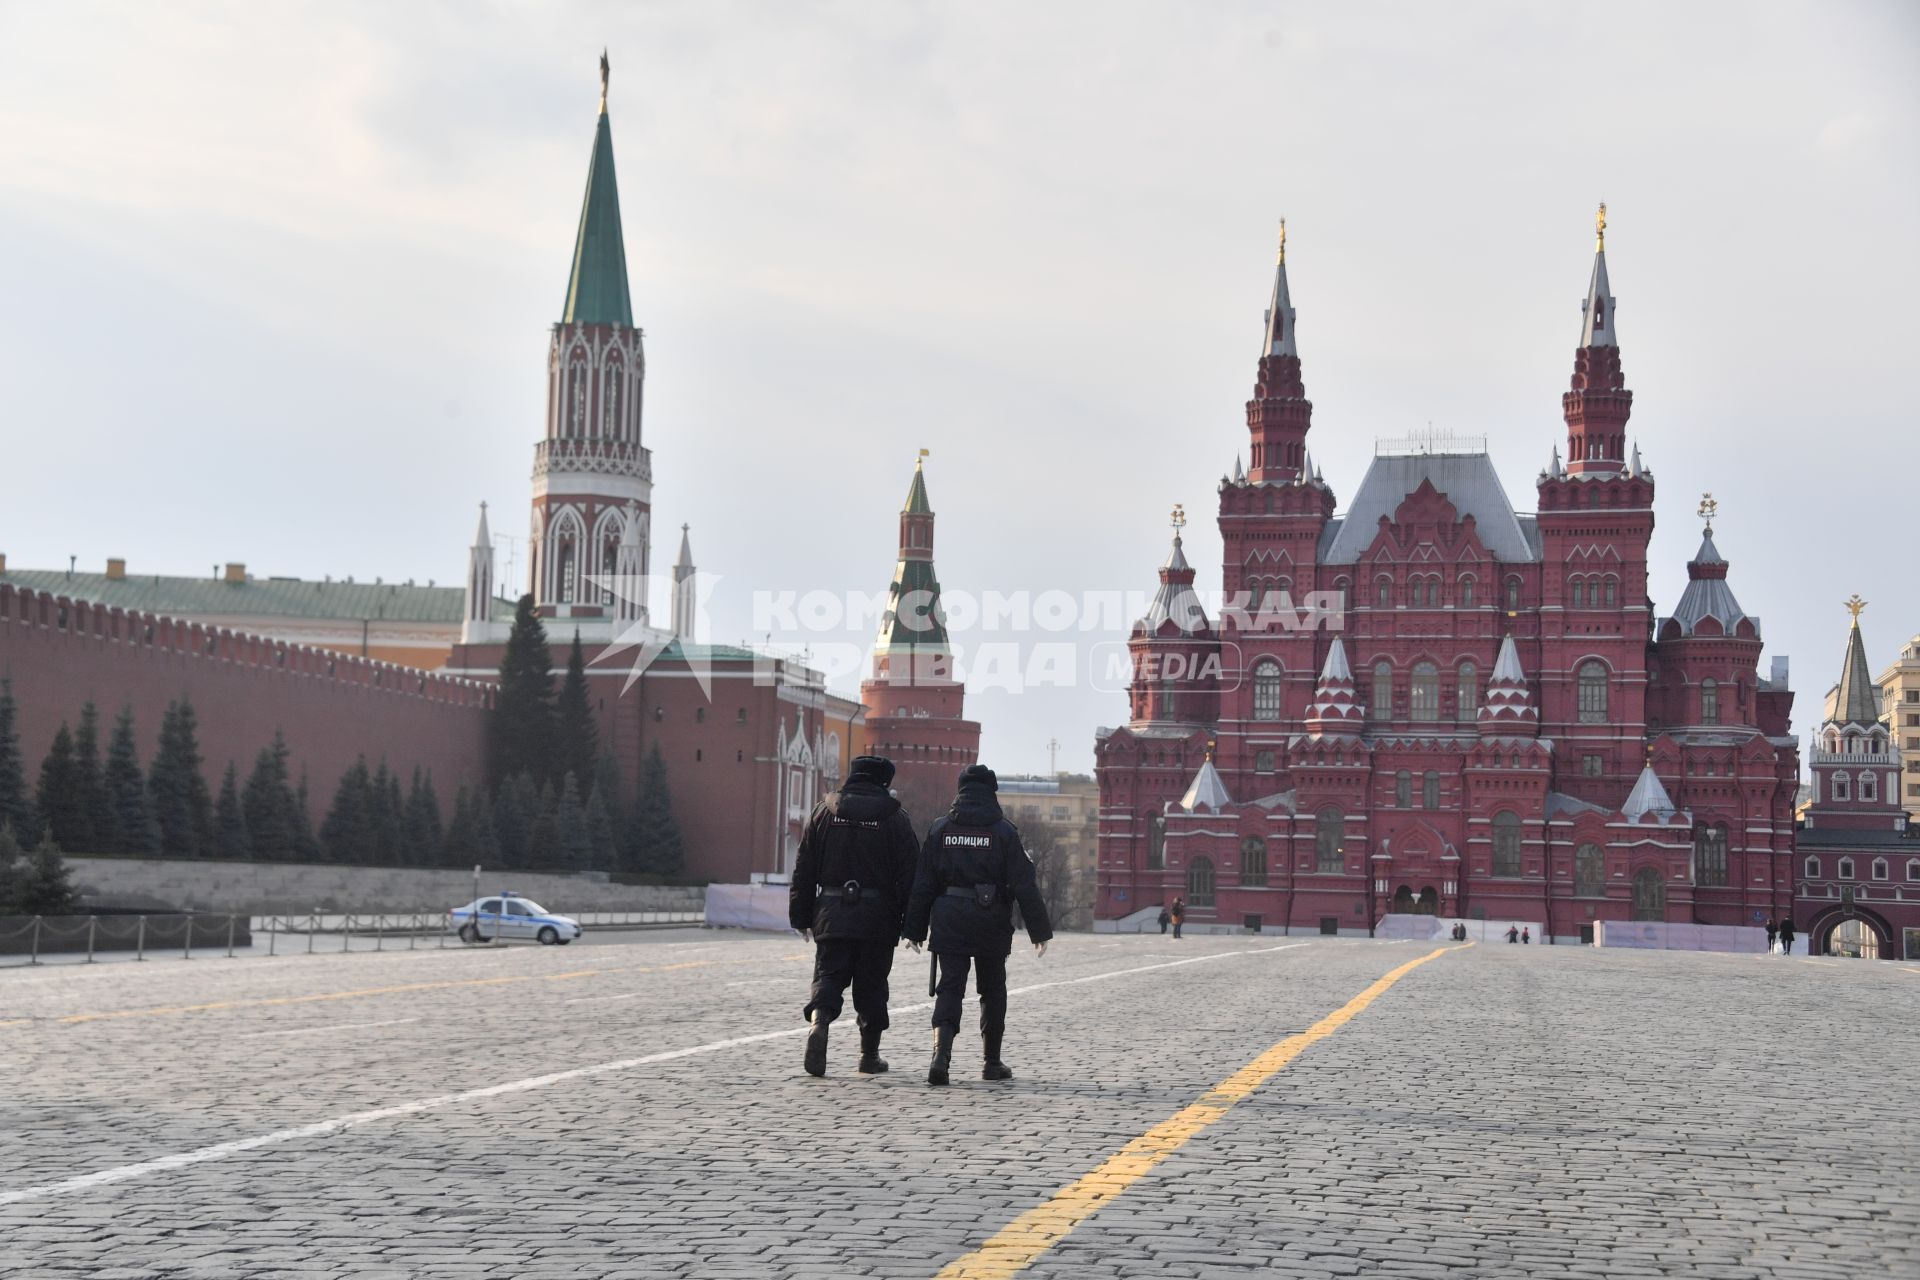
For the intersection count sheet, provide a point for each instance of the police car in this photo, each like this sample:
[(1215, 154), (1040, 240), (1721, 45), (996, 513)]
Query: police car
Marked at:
[(510, 916)]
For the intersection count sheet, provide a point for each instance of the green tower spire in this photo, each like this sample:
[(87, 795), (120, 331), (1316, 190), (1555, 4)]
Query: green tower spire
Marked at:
[(597, 287)]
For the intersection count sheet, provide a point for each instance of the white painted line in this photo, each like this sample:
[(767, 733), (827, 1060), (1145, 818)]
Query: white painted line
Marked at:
[(340, 1124), (764, 982), (330, 1026), (624, 995)]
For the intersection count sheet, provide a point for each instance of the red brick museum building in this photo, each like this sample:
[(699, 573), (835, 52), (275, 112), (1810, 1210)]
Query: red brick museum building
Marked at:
[(1484, 717)]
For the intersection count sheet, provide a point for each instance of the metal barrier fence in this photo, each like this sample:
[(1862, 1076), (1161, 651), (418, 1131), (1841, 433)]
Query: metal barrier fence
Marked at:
[(179, 934)]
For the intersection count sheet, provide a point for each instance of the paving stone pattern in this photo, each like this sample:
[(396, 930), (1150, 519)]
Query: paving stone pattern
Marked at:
[(1502, 1111)]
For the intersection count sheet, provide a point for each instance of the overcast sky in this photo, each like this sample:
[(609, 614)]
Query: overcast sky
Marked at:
[(275, 280)]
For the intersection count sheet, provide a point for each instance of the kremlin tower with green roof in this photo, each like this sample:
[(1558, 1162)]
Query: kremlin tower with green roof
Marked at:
[(915, 706)]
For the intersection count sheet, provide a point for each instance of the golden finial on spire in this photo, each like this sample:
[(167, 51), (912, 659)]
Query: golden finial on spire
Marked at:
[(1854, 605), (921, 460), (1600, 229), (606, 73), (1281, 259), (1707, 510), (1179, 516)]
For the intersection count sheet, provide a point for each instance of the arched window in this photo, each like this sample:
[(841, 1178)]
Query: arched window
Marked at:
[(1426, 691), (1913, 868), (1466, 591), (565, 569), (1169, 700), (1381, 707), (1812, 870), (1846, 869), (1200, 882), (1430, 790), (1253, 861), (1383, 592), (1879, 868), (1613, 592), (1649, 895), (1709, 702), (1577, 593), (1157, 842), (1593, 692), (577, 392), (1710, 854), (1866, 786), (1589, 871), (609, 565), (1403, 790), (1341, 586), (1329, 839), (1513, 593), (1467, 692), (1506, 843), (1840, 788), (1266, 689)]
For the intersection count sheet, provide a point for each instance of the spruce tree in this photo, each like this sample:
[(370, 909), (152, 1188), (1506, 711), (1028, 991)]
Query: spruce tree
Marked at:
[(268, 802), (513, 821), (13, 876), (230, 820), (520, 733), (16, 805), (135, 831), (423, 834), (62, 807), (181, 804), (348, 834), (389, 819), (93, 784), (574, 839), (652, 843), (47, 887), (600, 828), (305, 843), (462, 835), (543, 841), (606, 782), (577, 741)]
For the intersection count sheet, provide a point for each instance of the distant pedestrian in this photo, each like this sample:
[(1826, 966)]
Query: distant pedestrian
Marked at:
[(1513, 933), (1786, 936), (849, 892), (1773, 932), (1165, 919), (1526, 937), (973, 869), (1178, 913)]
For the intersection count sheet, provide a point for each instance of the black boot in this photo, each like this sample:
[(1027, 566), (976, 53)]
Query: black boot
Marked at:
[(871, 1063), (816, 1059), (942, 1055), (994, 1068)]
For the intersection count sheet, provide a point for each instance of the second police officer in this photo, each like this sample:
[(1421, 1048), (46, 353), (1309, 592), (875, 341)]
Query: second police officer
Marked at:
[(972, 871)]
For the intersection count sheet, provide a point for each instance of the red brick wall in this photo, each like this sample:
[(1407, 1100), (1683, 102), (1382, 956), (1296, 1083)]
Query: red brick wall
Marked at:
[(60, 654)]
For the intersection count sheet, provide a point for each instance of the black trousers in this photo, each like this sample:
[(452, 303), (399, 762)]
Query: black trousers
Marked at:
[(865, 962), (990, 979)]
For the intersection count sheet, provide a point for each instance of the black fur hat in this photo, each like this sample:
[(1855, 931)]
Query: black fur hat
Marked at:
[(879, 768), (978, 775)]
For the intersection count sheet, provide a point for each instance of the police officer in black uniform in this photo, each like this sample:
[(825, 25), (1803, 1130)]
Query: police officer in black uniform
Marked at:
[(849, 890), (972, 871)]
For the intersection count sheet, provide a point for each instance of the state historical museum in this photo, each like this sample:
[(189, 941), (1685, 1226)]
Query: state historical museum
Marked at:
[(1483, 716)]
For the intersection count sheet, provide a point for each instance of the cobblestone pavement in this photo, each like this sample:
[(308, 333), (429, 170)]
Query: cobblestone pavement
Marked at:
[(640, 1111)]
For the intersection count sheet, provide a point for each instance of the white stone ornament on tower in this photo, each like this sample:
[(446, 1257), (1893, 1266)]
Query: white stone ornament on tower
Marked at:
[(684, 589), (477, 615)]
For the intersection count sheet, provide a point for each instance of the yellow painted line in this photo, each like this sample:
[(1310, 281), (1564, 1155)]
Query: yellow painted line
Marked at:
[(1020, 1243), (367, 993)]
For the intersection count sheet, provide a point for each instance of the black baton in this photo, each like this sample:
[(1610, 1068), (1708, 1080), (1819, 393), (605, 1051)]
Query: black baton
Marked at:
[(933, 974)]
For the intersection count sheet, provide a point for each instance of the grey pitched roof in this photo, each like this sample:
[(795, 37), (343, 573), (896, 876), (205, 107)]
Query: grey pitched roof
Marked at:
[(1279, 334), (189, 598), (1708, 595), (1560, 804), (1855, 702), (1467, 479), (1597, 322), (1648, 797), (1207, 790), (1175, 600)]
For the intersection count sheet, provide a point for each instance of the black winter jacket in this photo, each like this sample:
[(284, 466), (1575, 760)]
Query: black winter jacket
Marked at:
[(858, 833), (972, 846)]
